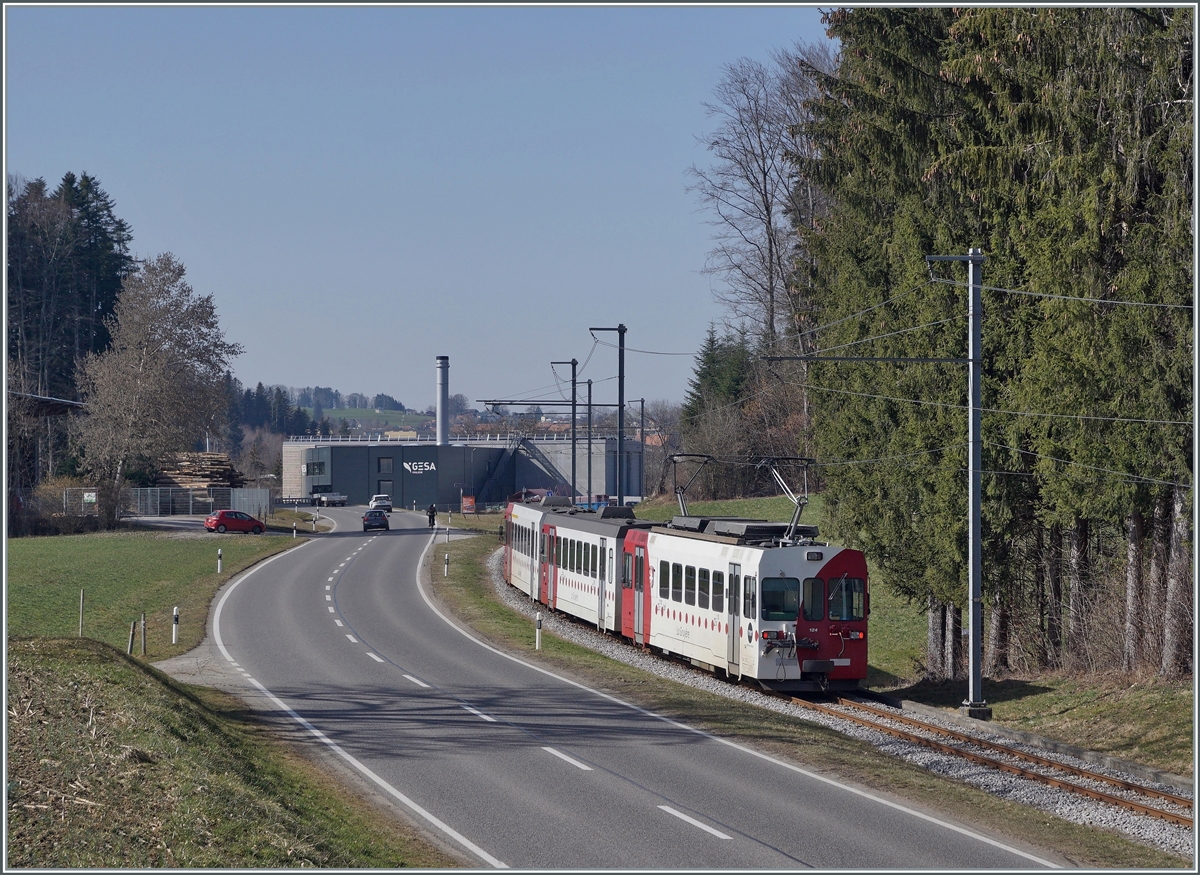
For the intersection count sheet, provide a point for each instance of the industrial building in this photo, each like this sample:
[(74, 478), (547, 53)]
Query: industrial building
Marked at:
[(489, 468)]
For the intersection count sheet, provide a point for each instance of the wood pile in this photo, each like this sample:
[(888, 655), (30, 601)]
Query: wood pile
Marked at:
[(199, 471)]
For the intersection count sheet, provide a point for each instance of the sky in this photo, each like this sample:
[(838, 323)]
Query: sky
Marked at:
[(363, 189)]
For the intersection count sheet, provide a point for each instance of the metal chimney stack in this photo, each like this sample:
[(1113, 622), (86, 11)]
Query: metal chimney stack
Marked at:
[(443, 400)]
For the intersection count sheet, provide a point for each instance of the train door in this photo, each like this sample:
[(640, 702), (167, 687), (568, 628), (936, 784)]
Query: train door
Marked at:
[(600, 588), (734, 602), (549, 571), (639, 595)]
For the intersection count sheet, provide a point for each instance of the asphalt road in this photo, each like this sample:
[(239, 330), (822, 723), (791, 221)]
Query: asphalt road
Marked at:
[(516, 767)]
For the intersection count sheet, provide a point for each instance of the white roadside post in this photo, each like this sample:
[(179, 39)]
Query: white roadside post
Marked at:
[(175, 626), (537, 643), (218, 560), (293, 529), (446, 572), (81, 613)]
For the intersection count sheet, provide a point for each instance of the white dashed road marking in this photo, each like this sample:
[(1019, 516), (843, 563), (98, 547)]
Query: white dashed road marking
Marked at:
[(479, 714), (694, 822), (374, 657), (417, 682), (562, 756), (353, 640)]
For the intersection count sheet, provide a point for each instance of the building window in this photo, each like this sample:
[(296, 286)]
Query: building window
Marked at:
[(384, 487), (385, 465)]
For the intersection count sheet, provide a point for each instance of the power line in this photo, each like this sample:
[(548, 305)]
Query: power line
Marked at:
[(996, 410), (891, 334), (1129, 477), (1067, 297)]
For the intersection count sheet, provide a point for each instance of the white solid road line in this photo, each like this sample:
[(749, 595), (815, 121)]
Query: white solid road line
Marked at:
[(334, 746), (478, 713), (694, 822), (562, 756)]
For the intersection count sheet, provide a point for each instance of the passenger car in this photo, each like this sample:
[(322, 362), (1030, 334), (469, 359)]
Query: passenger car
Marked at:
[(376, 519), (381, 502), (233, 521)]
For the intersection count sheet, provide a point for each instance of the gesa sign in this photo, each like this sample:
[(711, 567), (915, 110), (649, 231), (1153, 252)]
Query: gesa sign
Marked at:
[(419, 467)]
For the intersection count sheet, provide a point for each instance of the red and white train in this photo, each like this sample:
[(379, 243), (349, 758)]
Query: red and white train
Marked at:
[(744, 598)]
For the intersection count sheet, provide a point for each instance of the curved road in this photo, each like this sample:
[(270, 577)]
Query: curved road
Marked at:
[(517, 767)]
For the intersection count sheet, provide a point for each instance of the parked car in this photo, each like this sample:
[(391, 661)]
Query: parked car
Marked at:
[(233, 521), (381, 502), (376, 519)]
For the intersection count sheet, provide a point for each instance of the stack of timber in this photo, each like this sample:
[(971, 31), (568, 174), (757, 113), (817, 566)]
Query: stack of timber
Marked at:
[(199, 471)]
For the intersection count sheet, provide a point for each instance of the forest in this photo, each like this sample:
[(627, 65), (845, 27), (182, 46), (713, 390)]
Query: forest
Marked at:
[(1059, 141)]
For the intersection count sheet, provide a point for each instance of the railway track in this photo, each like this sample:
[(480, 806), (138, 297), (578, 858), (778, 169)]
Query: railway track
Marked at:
[(885, 721)]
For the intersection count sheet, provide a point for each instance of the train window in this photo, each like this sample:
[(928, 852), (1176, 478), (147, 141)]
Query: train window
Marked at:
[(594, 551), (676, 582), (735, 589), (702, 588), (718, 591), (587, 560), (603, 567), (689, 585), (664, 580), (542, 549), (627, 576), (814, 598), (749, 597), (847, 597), (780, 598)]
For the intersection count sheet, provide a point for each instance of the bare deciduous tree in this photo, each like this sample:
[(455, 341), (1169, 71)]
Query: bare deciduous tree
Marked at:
[(159, 385), (752, 190)]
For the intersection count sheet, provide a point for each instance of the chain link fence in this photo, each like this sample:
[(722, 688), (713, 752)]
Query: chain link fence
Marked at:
[(70, 509)]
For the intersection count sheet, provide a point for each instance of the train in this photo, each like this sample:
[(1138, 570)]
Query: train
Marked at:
[(750, 600)]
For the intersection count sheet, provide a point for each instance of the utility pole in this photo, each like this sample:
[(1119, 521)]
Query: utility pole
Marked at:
[(589, 441), (974, 706), (642, 455), (572, 363), (620, 329)]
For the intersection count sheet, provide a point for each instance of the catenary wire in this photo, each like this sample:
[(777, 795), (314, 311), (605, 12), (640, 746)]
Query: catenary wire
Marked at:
[(1066, 297)]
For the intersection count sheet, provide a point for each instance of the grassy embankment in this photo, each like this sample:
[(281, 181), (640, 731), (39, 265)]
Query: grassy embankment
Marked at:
[(112, 764)]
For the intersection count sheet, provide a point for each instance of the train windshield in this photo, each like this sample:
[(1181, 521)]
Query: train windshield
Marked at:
[(780, 598), (846, 601)]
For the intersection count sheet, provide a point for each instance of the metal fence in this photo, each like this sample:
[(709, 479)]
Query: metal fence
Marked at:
[(162, 501)]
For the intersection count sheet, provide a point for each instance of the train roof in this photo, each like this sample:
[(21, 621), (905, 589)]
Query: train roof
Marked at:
[(753, 532)]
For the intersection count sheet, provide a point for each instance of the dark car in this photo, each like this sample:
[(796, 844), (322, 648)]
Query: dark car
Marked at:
[(375, 519), (233, 521)]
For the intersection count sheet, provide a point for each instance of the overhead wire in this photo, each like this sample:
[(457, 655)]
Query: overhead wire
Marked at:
[(1066, 297)]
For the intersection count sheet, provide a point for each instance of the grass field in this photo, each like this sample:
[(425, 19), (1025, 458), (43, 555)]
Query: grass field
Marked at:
[(124, 574)]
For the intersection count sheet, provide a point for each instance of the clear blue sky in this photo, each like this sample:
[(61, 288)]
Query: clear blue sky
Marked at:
[(362, 189)]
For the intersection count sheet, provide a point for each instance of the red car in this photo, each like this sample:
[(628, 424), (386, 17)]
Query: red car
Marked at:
[(233, 521)]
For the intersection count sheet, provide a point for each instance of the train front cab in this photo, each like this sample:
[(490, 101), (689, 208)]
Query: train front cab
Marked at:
[(827, 643)]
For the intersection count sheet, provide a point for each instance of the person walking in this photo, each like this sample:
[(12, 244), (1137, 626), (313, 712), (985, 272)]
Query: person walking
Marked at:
[(432, 512)]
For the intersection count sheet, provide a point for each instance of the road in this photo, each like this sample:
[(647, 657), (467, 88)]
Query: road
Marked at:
[(516, 767)]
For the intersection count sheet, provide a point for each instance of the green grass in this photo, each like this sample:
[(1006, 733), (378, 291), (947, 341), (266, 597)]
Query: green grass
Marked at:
[(124, 574), (387, 418), (111, 764), (467, 593)]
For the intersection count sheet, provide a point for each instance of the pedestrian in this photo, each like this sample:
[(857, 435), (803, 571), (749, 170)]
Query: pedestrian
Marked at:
[(432, 512)]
